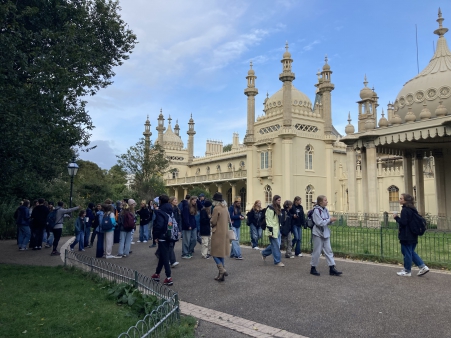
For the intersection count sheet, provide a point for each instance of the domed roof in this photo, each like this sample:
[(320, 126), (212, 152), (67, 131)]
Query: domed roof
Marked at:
[(298, 99), (171, 140), (431, 85), (366, 93)]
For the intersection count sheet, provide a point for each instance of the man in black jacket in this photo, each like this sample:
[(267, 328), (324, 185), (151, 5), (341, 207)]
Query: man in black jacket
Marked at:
[(298, 221), (39, 221)]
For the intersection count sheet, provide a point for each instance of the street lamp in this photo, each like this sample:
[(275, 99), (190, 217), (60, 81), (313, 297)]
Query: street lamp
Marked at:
[(72, 168)]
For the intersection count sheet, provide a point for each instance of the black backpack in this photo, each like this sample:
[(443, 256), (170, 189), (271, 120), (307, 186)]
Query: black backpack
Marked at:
[(262, 220), (417, 224), (285, 227)]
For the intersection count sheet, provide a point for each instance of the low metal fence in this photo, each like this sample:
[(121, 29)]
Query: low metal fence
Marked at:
[(375, 237), (156, 323)]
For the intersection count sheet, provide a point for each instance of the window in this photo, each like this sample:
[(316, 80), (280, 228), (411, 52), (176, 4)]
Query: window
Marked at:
[(309, 157), (208, 170), (229, 166), (243, 198), (309, 190), (264, 160), (268, 195), (198, 171), (175, 173), (218, 168), (242, 164), (229, 197), (393, 198)]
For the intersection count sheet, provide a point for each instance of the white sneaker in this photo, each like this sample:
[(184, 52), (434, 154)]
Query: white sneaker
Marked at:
[(404, 273), (280, 264), (144, 241), (110, 256), (174, 264), (133, 242), (256, 248), (423, 271), (139, 241), (300, 255)]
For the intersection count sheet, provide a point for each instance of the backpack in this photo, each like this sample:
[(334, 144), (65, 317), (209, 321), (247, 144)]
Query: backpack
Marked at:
[(309, 221), (262, 220), (286, 223), (247, 219), (107, 224), (51, 219), (172, 233), (417, 224), (128, 221)]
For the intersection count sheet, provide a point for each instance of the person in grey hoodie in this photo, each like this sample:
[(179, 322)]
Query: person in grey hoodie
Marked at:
[(58, 229)]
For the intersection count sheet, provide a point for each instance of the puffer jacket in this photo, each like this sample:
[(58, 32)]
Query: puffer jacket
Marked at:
[(406, 236)]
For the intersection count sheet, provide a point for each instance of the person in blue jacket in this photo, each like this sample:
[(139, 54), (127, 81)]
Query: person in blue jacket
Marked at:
[(236, 217), (189, 227)]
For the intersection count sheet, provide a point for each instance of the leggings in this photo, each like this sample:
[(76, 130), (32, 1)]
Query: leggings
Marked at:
[(57, 235), (163, 260)]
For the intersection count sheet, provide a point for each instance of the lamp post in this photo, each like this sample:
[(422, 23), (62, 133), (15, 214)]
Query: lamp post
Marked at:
[(72, 168)]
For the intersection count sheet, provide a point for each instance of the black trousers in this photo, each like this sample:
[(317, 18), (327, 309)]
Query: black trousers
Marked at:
[(171, 253), (100, 246), (57, 235), (37, 232), (163, 247), (93, 235)]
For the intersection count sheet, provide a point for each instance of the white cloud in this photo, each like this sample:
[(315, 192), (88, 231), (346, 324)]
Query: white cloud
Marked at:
[(310, 45)]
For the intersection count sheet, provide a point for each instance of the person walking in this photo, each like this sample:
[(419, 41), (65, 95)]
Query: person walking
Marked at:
[(39, 217), (23, 224), (253, 219), (177, 216), (58, 228), (126, 223), (144, 220), (189, 227), (298, 221), (47, 234), (321, 237), (286, 228), (272, 215), (220, 243), (90, 217), (205, 228), (80, 225), (236, 218), (95, 225), (407, 238)]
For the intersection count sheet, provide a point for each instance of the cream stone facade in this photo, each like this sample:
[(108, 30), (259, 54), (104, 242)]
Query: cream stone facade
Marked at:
[(294, 149)]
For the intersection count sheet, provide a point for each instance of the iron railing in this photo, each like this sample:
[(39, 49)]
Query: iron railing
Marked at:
[(156, 323), (375, 237)]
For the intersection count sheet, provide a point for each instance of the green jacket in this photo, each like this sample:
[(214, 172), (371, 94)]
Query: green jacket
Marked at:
[(272, 221)]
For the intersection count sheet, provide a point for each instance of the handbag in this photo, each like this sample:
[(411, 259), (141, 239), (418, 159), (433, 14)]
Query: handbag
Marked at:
[(231, 233)]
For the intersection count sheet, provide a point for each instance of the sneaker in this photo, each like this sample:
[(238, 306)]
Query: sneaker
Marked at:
[(109, 256), (300, 255), (35, 248), (144, 241), (133, 242), (130, 252), (264, 258), (125, 256), (118, 256), (155, 277), (89, 246), (256, 248), (240, 258), (71, 249), (187, 257), (22, 249), (280, 264), (54, 253), (39, 247), (137, 241), (423, 270), (404, 273), (168, 281), (82, 250), (174, 264), (208, 257), (47, 246), (292, 256), (152, 246)]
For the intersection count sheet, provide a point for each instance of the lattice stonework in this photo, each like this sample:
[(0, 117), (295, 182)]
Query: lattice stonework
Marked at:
[(174, 158), (306, 127), (269, 129)]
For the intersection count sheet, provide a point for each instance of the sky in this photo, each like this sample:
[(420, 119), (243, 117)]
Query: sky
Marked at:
[(192, 57)]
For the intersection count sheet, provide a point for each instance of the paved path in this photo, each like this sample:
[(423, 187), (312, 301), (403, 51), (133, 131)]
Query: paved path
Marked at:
[(369, 300)]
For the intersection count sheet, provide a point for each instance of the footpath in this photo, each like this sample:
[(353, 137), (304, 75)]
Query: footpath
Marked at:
[(259, 299)]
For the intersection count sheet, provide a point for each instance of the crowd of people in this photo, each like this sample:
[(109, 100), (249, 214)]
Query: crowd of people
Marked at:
[(164, 221)]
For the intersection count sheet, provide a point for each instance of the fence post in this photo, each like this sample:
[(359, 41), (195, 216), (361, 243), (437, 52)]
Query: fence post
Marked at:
[(382, 243), (177, 303), (91, 265), (136, 279), (65, 255)]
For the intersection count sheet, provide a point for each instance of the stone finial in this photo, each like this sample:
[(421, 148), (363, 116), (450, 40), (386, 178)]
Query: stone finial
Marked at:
[(425, 113), (410, 116), (383, 122), (370, 124), (441, 30), (396, 119), (349, 129), (441, 110)]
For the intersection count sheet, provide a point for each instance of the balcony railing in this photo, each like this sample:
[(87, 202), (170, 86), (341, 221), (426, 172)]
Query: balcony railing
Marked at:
[(231, 175)]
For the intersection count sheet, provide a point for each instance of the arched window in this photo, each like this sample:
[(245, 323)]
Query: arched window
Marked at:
[(243, 198), (198, 171), (242, 164), (309, 191), (268, 195), (309, 157), (229, 166), (393, 198), (175, 173), (218, 168), (229, 197)]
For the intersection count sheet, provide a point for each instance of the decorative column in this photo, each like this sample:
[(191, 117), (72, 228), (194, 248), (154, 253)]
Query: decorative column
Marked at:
[(364, 173), (160, 128), (147, 133), (447, 183), (219, 186), (176, 193), (325, 88), (439, 176), (352, 180), (287, 77), (329, 163), (408, 181), (371, 168), (185, 192), (191, 134), (250, 92), (287, 155), (419, 181), (233, 185)]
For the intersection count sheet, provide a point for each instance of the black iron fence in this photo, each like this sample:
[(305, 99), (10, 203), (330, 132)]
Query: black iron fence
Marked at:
[(156, 323)]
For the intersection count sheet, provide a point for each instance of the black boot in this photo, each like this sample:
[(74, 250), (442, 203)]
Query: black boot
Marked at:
[(313, 271), (333, 271)]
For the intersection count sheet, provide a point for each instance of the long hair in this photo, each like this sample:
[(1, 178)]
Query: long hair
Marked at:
[(236, 209), (207, 210), (319, 199), (287, 204), (276, 206), (216, 203), (409, 201), (192, 208), (255, 207), (297, 198)]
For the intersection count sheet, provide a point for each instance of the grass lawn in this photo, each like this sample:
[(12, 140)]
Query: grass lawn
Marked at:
[(60, 302)]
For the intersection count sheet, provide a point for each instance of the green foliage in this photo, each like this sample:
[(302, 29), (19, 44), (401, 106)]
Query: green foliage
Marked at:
[(185, 329), (127, 294), (196, 191), (8, 226), (227, 147), (54, 53)]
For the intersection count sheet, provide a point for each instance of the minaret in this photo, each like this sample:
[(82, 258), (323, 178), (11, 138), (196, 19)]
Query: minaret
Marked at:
[(177, 128), (250, 92), (325, 88), (160, 128), (367, 108), (287, 77), (191, 133), (147, 133)]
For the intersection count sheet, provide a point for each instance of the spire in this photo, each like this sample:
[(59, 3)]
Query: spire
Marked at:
[(169, 119), (349, 117), (365, 82), (441, 30), (177, 128)]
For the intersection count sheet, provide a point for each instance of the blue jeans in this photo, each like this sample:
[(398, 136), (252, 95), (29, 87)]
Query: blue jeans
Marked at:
[(87, 234), (47, 238), (124, 243), (408, 250), (144, 232), (273, 248), (189, 241), (296, 243), (24, 236), (219, 260), (236, 250), (256, 234), (80, 239)]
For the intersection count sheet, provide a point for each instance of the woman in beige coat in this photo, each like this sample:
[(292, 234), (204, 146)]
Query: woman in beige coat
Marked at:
[(220, 243)]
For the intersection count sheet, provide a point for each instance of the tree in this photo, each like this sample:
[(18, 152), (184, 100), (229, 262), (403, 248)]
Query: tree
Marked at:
[(227, 147), (147, 163), (53, 53), (196, 191)]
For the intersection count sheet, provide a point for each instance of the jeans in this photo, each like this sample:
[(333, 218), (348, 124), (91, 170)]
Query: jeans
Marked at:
[(24, 236), (274, 249), (408, 251), (47, 237), (236, 250), (57, 235), (125, 242), (100, 249), (144, 232), (189, 241), (296, 243), (80, 239), (86, 239), (219, 260), (163, 260), (256, 234)]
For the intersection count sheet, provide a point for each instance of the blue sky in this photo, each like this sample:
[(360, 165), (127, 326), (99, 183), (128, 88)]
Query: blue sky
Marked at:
[(193, 57)]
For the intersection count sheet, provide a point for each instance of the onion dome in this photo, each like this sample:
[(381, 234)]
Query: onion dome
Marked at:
[(425, 113), (170, 139), (349, 129), (366, 93), (287, 54), (410, 116), (441, 110), (370, 124), (251, 71), (383, 122), (396, 119), (326, 65)]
